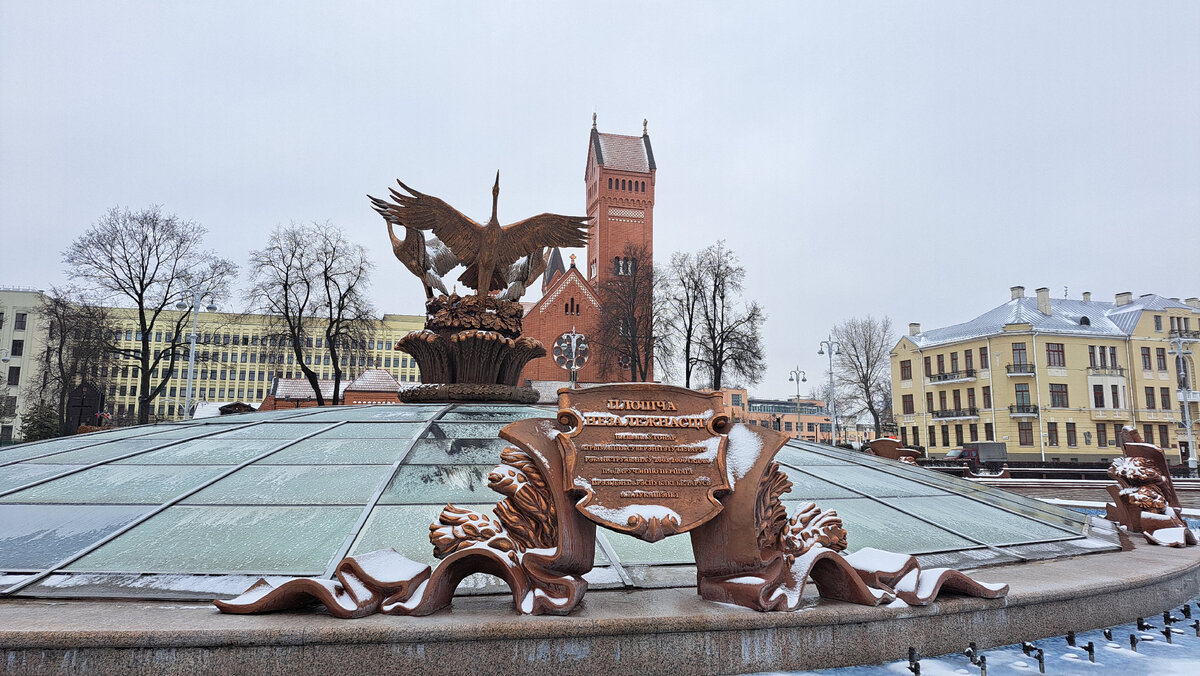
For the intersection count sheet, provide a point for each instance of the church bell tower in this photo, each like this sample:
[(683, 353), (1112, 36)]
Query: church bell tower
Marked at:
[(620, 201)]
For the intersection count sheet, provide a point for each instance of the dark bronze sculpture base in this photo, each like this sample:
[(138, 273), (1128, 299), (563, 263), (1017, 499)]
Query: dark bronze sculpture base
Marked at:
[(471, 349), (467, 392)]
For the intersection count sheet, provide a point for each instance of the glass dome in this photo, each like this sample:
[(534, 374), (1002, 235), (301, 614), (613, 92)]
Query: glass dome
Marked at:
[(193, 509)]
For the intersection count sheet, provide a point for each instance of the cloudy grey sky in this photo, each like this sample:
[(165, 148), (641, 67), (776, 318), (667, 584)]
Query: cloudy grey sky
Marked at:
[(904, 159)]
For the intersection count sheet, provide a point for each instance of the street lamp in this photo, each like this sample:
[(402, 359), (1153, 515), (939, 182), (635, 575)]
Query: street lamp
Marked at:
[(197, 297), (1179, 350), (833, 349), (4, 357), (800, 377)]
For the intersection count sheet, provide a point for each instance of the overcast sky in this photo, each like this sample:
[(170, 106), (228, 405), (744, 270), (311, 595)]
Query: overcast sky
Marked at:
[(912, 160)]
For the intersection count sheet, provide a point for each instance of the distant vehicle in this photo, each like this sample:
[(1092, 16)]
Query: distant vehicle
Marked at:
[(990, 453)]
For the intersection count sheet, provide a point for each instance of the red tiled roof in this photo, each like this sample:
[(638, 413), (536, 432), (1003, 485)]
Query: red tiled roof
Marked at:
[(626, 153), (374, 380)]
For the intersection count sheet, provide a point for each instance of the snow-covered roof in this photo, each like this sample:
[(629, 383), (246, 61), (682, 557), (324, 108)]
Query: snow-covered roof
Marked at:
[(1066, 317), (299, 388), (374, 380), (212, 409)]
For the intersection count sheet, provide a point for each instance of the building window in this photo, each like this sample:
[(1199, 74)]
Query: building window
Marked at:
[(928, 368), (942, 400), (958, 435), (904, 436), (1052, 434), (906, 369), (1018, 353), (14, 376), (1165, 398), (908, 404), (735, 400), (929, 402), (945, 436), (968, 359), (1146, 366), (941, 358), (19, 320), (1071, 440), (1092, 355), (18, 348), (1022, 394), (932, 436), (1158, 323), (1097, 396), (983, 358), (1163, 437), (1025, 433), (1058, 395), (1055, 355), (1101, 435), (987, 396), (974, 431), (916, 432), (954, 362), (1160, 355), (610, 184), (957, 400), (1116, 396), (1148, 434), (1150, 398), (1112, 354), (989, 432), (971, 399)]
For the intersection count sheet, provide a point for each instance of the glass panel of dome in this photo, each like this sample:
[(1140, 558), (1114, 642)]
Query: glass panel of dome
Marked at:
[(376, 413), (456, 451), (281, 430), (35, 537), (294, 485), (475, 414), (23, 473), (873, 524), (803, 457), (870, 481), (807, 487), (217, 539), (49, 448), (320, 450), (989, 524), (179, 431), (630, 550), (440, 484), (405, 528), (204, 452), (119, 484), (464, 430), (86, 456), (375, 430)]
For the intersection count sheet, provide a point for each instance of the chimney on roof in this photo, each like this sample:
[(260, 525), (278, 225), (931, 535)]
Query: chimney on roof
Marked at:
[(1193, 302), (1043, 296), (1017, 292), (1124, 298), (914, 328), (1087, 296)]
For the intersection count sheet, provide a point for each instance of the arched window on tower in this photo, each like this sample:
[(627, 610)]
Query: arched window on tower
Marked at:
[(616, 265), (610, 184), (643, 186)]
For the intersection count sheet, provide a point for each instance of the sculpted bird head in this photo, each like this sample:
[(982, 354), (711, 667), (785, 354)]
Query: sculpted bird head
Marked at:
[(495, 196)]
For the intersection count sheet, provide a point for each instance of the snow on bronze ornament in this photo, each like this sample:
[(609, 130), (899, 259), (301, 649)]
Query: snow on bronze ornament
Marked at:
[(647, 460), (1144, 501)]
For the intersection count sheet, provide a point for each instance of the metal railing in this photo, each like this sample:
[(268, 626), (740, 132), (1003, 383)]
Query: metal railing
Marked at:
[(1023, 409), (970, 412), (1020, 368), (1106, 371), (952, 375)]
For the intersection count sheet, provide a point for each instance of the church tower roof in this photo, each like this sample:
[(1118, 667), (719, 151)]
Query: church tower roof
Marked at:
[(624, 153), (554, 268)]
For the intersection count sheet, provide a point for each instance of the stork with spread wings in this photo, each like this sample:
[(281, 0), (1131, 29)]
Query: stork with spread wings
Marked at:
[(489, 250)]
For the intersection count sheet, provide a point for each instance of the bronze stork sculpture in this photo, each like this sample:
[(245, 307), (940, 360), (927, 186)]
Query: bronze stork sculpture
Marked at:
[(427, 259), (488, 250), (523, 273)]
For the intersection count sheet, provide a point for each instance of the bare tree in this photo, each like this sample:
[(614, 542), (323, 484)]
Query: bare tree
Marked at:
[(863, 369), (77, 349), (683, 289), (729, 338), (149, 259), (627, 333), (313, 281)]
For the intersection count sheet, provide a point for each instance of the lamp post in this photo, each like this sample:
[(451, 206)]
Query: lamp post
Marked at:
[(1180, 344), (800, 377), (197, 297), (832, 348)]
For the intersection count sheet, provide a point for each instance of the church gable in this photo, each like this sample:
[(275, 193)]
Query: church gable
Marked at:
[(571, 282)]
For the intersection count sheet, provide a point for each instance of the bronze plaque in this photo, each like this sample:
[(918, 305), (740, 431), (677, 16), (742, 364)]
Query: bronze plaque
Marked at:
[(649, 459)]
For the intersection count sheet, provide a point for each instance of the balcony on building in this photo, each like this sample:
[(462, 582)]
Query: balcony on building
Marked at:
[(1110, 414), (1020, 369), (959, 413), (960, 376), (1019, 410), (1191, 396), (1118, 371), (1184, 333)]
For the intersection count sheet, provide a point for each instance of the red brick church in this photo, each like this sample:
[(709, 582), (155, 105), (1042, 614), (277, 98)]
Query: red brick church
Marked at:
[(619, 182)]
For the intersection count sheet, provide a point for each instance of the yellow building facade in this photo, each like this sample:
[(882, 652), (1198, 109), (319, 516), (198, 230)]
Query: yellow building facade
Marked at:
[(1054, 378), (237, 358)]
